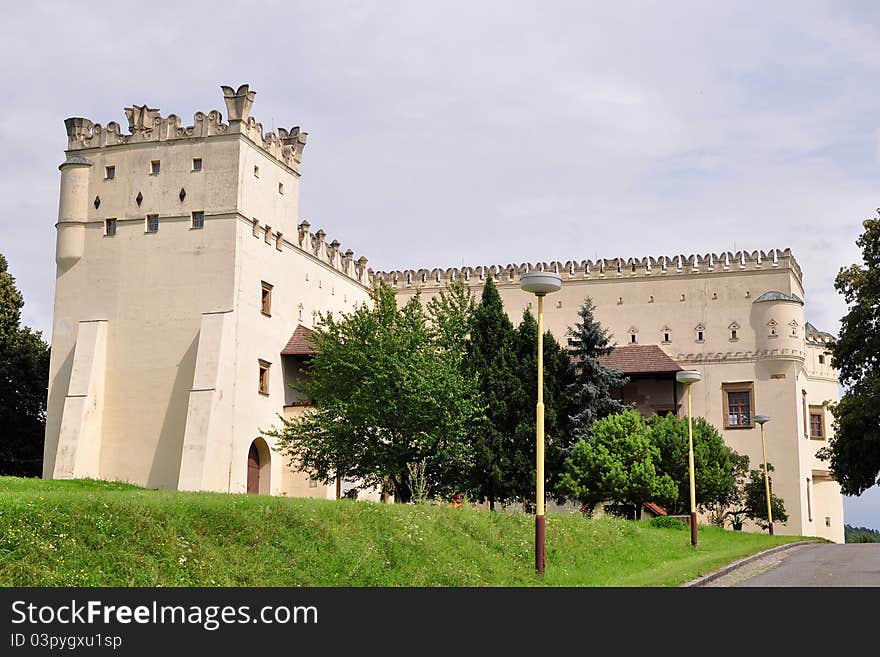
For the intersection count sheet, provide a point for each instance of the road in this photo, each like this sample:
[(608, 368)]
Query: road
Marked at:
[(856, 564)]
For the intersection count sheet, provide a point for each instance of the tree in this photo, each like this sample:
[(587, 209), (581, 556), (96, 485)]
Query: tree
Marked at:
[(617, 464), (717, 468), (492, 359), (854, 449), (450, 314), (388, 397), (24, 382), (558, 374), (754, 499), (590, 392)]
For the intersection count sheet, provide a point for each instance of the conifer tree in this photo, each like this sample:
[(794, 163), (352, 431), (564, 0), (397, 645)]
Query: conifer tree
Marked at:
[(492, 358), (591, 392)]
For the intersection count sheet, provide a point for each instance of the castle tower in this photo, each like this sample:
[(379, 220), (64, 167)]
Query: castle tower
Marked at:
[(182, 273)]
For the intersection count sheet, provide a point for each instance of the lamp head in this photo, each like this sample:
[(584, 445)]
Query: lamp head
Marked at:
[(761, 419), (540, 282), (688, 377)]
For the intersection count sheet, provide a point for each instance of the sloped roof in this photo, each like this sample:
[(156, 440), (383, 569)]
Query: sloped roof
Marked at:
[(815, 335), (300, 343), (776, 295), (656, 509), (640, 359)]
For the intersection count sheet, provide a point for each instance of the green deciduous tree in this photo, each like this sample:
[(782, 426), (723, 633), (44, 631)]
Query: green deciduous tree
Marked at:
[(591, 391), (754, 499), (617, 464), (717, 468), (854, 449), (24, 381), (388, 395)]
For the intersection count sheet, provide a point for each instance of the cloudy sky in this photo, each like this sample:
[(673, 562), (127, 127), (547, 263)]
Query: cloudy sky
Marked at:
[(452, 133)]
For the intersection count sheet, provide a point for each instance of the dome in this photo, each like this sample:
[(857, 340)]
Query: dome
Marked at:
[(776, 295)]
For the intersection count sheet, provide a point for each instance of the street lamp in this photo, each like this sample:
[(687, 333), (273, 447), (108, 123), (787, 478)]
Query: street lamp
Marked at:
[(540, 283), (688, 378), (761, 419)]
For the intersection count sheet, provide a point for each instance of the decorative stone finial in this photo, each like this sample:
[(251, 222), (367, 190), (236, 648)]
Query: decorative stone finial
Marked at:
[(78, 128), (238, 103), (141, 118)]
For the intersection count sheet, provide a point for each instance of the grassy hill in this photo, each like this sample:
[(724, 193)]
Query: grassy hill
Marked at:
[(89, 533)]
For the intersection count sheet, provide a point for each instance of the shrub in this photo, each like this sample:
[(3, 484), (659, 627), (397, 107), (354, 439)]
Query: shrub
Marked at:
[(665, 522)]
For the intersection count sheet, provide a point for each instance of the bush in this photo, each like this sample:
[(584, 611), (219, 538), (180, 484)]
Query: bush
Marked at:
[(665, 522)]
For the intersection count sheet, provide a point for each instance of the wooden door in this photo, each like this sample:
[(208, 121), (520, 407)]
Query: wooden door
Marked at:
[(253, 473)]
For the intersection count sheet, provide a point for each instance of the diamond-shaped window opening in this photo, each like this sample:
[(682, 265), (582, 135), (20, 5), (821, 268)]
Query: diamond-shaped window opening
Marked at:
[(182, 194), (97, 202), (139, 198)]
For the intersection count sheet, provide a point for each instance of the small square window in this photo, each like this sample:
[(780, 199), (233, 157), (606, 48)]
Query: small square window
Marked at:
[(264, 377), (733, 334), (313, 483), (198, 219), (152, 223), (280, 188), (109, 173), (197, 164), (699, 336), (827, 521), (665, 337), (266, 298), (256, 171), (154, 167), (821, 359), (109, 227), (632, 338)]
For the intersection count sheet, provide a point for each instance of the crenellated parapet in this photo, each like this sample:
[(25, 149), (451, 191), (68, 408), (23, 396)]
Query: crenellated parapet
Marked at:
[(332, 254), (146, 124), (603, 268)]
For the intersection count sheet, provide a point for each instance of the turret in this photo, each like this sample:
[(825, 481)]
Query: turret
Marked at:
[(73, 205)]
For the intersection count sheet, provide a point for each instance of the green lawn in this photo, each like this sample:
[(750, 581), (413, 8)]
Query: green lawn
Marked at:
[(88, 533)]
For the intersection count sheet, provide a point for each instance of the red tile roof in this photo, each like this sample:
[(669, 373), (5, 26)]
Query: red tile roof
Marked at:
[(300, 343), (656, 509), (640, 359)]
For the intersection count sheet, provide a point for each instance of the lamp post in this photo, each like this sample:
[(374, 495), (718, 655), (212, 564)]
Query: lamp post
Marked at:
[(761, 419), (690, 377), (540, 283)]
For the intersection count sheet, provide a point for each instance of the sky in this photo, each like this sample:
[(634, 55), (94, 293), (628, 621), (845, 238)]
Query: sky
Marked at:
[(445, 134)]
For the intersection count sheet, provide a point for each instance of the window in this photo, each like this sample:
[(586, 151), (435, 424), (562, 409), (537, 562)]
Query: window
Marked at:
[(817, 422), (264, 377), (666, 335), (821, 359), (154, 167), (152, 223), (109, 173), (313, 483), (632, 338), (197, 164), (739, 404), (699, 336), (733, 334), (280, 188), (256, 228), (268, 234), (827, 521), (198, 219), (278, 241), (266, 298), (256, 171), (109, 227)]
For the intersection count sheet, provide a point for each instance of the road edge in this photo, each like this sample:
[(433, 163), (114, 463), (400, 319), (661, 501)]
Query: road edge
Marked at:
[(705, 579)]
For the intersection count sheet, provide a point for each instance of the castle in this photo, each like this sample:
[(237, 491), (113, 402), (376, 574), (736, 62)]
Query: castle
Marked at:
[(186, 290)]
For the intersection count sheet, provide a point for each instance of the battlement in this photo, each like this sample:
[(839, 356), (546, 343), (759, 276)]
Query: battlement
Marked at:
[(146, 124), (603, 269), (331, 254)]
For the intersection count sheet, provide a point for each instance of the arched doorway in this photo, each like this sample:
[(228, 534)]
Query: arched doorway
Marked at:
[(258, 463)]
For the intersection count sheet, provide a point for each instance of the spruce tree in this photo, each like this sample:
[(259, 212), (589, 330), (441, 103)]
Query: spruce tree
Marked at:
[(492, 359), (591, 392)]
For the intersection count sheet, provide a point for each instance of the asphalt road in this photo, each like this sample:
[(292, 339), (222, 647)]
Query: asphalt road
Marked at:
[(856, 564)]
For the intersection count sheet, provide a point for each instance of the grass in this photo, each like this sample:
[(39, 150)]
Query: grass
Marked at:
[(91, 533)]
